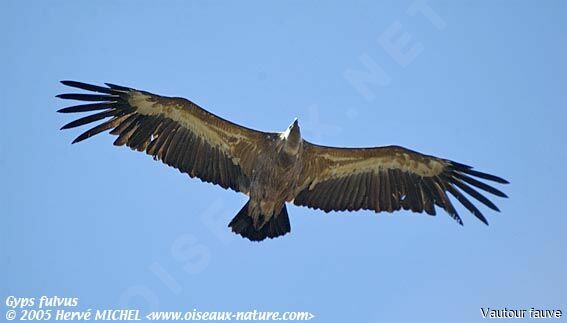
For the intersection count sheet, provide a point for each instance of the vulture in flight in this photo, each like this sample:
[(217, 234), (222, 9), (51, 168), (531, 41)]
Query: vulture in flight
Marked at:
[(276, 168)]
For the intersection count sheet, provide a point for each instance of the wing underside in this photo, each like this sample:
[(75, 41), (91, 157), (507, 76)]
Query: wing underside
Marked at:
[(390, 179), (173, 130)]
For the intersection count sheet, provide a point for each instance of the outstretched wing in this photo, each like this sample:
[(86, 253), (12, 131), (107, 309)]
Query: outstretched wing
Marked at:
[(388, 179), (173, 130)]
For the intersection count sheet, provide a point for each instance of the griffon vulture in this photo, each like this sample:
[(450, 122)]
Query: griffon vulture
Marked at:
[(277, 168)]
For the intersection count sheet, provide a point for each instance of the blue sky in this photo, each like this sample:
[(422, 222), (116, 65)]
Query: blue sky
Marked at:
[(477, 82)]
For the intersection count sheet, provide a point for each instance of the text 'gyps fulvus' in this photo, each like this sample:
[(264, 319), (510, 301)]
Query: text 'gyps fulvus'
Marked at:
[(275, 168)]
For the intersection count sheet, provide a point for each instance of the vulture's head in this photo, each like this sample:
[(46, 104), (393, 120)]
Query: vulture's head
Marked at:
[(292, 138)]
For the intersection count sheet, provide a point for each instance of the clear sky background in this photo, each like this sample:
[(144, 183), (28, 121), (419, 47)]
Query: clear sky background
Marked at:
[(478, 82)]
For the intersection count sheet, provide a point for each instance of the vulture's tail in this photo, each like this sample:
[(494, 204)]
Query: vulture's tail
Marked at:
[(243, 225)]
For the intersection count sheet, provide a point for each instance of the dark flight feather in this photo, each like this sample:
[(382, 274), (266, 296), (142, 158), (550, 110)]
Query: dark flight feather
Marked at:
[(86, 107), (89, 97), (88, 87), (89, 119)]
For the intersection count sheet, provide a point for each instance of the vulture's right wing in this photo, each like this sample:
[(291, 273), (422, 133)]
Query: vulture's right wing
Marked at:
[(173, 130)]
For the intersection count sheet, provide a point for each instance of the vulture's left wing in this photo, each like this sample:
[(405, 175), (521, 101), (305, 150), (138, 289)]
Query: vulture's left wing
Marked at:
[(388, 179), (173, 130)]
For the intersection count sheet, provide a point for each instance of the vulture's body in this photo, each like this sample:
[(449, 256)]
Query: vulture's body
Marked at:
[(276, 168)]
